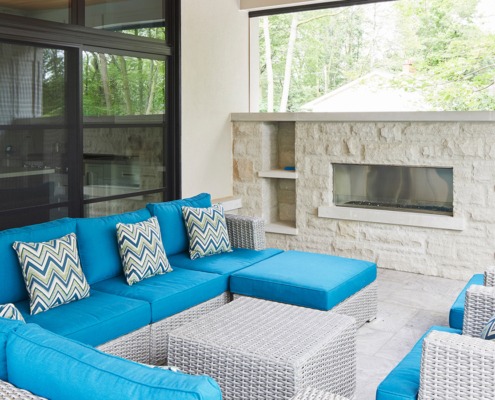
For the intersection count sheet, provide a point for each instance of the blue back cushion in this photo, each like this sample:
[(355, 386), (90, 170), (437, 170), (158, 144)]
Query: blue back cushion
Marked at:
[(6, 325), (12, 287), (58, 368), (169, 214), (97, 242)]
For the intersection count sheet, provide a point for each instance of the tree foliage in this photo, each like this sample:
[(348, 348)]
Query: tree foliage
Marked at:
[(453, 57), (112, 84)]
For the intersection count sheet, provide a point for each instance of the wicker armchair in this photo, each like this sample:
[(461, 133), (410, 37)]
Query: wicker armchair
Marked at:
[(490, 276), (459, 367)]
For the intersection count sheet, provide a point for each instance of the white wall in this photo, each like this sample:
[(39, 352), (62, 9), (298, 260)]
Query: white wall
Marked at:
[(215, 82)]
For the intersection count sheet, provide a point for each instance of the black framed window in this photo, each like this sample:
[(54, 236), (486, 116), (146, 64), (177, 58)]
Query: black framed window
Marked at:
[(89, 108)]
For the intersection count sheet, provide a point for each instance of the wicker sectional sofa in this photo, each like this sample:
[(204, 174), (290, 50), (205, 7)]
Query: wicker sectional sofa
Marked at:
[(133, 322)]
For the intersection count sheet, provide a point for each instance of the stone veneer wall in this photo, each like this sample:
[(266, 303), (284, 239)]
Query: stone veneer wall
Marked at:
[(468, 147)]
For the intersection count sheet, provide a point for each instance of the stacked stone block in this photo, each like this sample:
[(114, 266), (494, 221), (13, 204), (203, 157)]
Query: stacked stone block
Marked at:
[(467, 147)]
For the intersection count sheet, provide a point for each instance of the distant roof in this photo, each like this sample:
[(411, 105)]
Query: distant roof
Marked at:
[(371, 92)]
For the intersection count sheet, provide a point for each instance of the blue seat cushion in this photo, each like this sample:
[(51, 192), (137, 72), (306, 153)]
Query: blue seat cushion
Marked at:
[(12, 286), (304, 279), (98, 247), (6, 326), (58, 368), (223, 263), (456, 315), (402, 383), (169, 214), (171, 293), (94, 320)]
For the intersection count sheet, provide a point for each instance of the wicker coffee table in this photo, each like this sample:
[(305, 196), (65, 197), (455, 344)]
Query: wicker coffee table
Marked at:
[(257, 349)]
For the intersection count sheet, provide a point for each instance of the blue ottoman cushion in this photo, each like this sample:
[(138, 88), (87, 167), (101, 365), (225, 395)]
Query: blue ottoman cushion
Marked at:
[(402, 383), (456, 315), (58, 368), (94, 320), (171, 293), (223, 263), (305, 279)]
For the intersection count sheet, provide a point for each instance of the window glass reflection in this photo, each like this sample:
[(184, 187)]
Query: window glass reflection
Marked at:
[(121, 205), (133, 17), (120, 85), (33, 135), (122, 161), (35, 216), (55, 10)]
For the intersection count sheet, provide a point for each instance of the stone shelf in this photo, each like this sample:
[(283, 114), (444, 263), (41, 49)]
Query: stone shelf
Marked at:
[(393, 217), (229, 203), (284, 228), (278, 174)]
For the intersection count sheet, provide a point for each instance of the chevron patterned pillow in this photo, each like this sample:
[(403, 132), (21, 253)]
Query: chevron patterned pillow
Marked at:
[(207, 231), (10, 311), (52, 272), (141, 250), (488, 332)]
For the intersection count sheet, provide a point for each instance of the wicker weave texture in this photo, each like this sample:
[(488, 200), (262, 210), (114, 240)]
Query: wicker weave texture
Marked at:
[(10, 392), (456, 367), (161, 329), (479, 307), (362, 306), (257, 349), (246, 232), (315, 394), (134, 346), (490, 276)]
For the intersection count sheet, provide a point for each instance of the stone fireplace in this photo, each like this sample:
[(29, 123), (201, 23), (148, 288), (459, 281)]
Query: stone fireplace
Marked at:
[(456, 150)]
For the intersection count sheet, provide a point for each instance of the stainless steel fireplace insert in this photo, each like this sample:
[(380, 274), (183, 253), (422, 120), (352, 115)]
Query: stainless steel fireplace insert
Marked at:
[(397, 188)]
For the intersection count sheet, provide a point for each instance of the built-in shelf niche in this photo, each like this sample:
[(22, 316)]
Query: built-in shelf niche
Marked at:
[(279, 173)]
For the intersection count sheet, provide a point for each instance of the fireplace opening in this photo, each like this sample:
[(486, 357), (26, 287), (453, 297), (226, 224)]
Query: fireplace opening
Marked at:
[(396, 188)]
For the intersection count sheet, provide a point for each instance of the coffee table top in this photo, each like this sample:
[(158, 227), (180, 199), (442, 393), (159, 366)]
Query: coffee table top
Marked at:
[(267, 329)]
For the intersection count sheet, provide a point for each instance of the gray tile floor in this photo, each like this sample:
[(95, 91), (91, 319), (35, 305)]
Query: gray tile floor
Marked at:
[(408, 304)]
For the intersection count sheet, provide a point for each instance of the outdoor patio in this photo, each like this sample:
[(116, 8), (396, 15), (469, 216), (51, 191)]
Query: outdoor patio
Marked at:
[(408, 304)]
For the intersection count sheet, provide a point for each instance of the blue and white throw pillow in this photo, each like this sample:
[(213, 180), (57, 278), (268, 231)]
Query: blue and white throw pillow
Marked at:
[(141, 250), (52, 272), (10, 311), (207, 231), (488, 332)]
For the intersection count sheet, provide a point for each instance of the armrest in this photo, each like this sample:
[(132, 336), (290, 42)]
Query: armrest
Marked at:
[(456, 367), (246, 232), (490, 276), (479, 307)]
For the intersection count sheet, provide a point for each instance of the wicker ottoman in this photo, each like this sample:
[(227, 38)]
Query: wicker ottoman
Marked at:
[(257, 349)]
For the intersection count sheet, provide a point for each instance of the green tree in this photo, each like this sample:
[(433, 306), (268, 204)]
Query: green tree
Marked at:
[(453, 57)]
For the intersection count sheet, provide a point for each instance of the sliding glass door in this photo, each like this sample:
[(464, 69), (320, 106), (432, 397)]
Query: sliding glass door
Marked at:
[(88, 108)]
